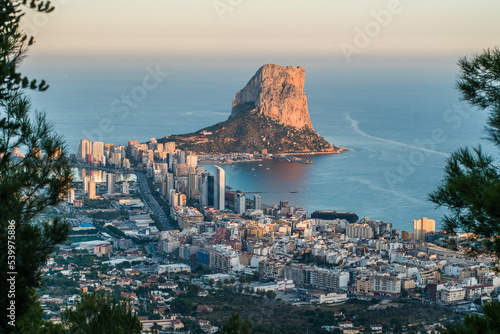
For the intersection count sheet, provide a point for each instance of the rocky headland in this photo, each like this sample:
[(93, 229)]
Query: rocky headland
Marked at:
[(269, 114)]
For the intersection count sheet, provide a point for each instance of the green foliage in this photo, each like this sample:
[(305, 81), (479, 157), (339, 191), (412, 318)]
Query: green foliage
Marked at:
[(33, 321), (14, 44), (99, 313), (270, 294), (158, 224), (275, 317), (479, 78), (63, 285), (192, 290), (116, 232), (488, 323), (182, 305), (471, 186), (28, 184), (250, 278), (97, 203), (123, 265), (236, 325)]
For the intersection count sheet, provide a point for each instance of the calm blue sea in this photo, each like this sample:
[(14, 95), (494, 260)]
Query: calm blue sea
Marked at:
[(400, 125)]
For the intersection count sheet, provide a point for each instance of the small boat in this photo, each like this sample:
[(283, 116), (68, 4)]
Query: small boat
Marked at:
[(260, 165)]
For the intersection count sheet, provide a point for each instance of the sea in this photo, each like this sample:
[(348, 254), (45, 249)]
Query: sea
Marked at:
[(399, 126)]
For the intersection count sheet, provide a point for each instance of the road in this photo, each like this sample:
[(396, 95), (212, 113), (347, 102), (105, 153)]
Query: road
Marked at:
[(149, 199), (151, 202)]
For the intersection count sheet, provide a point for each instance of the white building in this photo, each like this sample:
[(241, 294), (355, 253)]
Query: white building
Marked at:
[(125, 188), (327, 298), (385, 284), (452, 295), (240, 203), (257, 202), (110, 183), (173, 268), (220, 189), (363, 231)]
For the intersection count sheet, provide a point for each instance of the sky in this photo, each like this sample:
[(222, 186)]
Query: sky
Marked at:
[(244, 33)]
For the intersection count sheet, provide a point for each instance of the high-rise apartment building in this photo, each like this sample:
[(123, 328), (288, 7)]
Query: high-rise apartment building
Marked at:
[(169, 147), (423, 226), (85, 180), (257, 202), (116, 159), (126, 163), (110, 183), (169, 182), (97, 151), (192, 183), (211, 190), (192, 159), (204, 189), (220, 189), (182, 199), (70, 198), (181, 158), (240, 203), (359, 231), (84, 149), (125, 188), (92, 192)]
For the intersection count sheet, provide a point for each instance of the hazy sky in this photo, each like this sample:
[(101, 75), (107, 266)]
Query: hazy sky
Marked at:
[(241, 32)]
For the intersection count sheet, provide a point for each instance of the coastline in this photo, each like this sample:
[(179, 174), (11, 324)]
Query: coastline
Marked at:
[(211, 162), (342, 150), (288, 157)]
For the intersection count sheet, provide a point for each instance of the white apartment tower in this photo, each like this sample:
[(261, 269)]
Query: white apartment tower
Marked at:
[(110, 182), (220, 189), (257, 202), (240, 203), (125, 188)]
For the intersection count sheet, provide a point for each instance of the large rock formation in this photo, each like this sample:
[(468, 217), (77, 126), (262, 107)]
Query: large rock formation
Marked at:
[(269, 113), (276, 92)]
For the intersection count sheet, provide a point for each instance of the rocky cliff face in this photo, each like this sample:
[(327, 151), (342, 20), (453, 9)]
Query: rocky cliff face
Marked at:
[(276, 92), (269, 113)]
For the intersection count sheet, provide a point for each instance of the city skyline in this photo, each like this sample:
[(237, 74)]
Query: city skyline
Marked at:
[(177, 164)]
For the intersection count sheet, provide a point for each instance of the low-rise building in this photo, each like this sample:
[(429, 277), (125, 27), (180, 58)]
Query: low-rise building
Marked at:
[(452, 295), (103, 249), (385, 284), (327, 298), (473, 292)]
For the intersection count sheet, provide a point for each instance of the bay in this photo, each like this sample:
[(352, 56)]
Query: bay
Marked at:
[(401, 127)]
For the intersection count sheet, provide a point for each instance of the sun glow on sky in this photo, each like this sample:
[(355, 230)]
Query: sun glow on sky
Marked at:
[(121, 31)]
